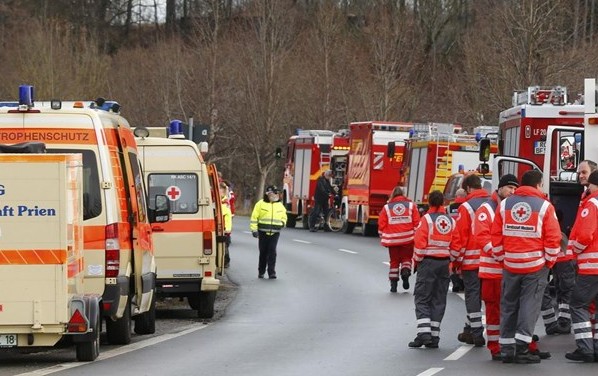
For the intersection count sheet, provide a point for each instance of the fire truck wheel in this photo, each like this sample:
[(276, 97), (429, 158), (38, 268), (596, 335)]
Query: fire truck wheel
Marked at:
[(291, 220), (206, 300), (118, 331), (305, 219), (89, 351), (145, 323), (348, 227)]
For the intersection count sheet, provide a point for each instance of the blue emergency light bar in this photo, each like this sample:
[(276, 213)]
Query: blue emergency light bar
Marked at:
[(26, 95), (175, 128)]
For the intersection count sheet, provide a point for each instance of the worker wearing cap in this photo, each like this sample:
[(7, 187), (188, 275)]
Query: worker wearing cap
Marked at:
[(526, 239), (323, 191), (584, 242), (268, 218), (466, 251)]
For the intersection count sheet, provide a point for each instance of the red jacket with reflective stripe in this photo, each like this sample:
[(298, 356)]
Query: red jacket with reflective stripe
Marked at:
[(466, 249), (484, 216), (584, 236), (525, 233), (433, 235), (397, 222)]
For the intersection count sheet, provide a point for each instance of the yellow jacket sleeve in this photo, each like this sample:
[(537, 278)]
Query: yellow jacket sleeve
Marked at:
[(255, 216)]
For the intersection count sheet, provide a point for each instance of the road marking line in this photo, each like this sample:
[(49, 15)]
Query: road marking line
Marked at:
[(386, 263), (301, 241), (430, 372), (115, 352), (461, 295), (459, 352), (347, 251)]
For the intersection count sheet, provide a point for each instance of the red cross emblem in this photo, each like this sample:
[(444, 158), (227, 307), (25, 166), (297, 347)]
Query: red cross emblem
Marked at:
[(173, 192), (442, 225), (521, 212)]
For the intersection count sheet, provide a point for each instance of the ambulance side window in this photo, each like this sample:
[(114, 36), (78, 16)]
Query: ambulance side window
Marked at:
[(141, 204), (181, 189), (92, 198)]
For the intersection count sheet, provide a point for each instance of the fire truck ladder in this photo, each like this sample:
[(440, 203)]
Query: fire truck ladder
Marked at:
[(444, 158)]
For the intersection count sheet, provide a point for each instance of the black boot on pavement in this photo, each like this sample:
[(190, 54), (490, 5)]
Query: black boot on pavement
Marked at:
[(580, 356), (405, 274), (478, 341), (434, 343), (541, 354), (466, 336), (393, 285), (524, 356), (421, 340)]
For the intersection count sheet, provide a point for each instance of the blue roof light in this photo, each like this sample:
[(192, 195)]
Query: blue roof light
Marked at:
[(26, 95), (175, 129), (478, 136)]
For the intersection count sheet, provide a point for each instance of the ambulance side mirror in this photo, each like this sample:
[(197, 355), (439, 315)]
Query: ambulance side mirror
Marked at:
[(161, 212), (484, 150), (390, 150)]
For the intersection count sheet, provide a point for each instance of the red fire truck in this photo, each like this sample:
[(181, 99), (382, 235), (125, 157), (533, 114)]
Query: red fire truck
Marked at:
[(522, 128), (371, 175), (434, 153), (307, 157), (339, 159)]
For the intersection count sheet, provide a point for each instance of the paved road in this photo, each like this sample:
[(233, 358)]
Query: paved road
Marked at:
[(329, 313)]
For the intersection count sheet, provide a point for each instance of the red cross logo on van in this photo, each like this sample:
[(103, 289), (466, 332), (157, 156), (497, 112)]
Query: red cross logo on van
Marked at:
[(173, 192)]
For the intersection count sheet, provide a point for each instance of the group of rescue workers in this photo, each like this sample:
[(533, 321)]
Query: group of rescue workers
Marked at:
[(504, 245)]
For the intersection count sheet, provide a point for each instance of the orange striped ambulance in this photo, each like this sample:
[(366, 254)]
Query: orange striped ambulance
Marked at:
[(119, 262), (187, 253)]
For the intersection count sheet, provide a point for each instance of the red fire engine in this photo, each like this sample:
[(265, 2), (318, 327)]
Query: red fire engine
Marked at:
[(307, 157), (339, 158), (435, 152), (371, 175), (522, 128)]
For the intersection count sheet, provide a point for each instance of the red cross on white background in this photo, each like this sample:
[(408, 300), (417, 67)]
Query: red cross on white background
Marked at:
[(521, 212), (173, 192), (443, 224)]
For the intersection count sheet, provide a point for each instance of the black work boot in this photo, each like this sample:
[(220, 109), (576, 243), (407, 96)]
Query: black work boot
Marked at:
[(405, 274), (552, 328), (564, 326), (466, 336), (580, 356), (421, 340), (434, 343), (393, 285), (524, 356), (478, 341)]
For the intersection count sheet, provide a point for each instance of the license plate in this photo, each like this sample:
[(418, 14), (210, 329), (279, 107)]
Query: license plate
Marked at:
[(8, 340), (539, 147)]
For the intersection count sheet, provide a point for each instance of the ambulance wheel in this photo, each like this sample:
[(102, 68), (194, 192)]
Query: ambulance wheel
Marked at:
[(368, 230), (118, 331), (145, 323), (206, 300), (89, 351), (291, 220)]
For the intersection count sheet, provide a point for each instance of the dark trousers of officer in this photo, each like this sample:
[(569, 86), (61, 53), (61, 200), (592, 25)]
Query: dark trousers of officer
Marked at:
[(564, 275), (431, 287), (319, 207), (267, 246), (520, 308), (585, 292), (473, 302)]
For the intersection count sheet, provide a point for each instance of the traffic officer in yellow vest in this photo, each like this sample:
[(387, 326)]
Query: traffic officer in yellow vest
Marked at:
[(526, 239), (584, 242), (269, 216)]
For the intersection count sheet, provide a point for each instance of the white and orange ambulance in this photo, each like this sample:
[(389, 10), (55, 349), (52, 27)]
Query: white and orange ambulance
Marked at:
[(119, 262), (189, 252), (41, 194)]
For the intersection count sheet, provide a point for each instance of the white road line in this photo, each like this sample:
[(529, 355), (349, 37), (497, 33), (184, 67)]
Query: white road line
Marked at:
[(459, 352), (347, 251), (430, 372), (301, 241), (461, 295), (114, 352), (386, 263)]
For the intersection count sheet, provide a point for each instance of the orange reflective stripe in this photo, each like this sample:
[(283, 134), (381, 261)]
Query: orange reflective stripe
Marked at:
[(193, 225), (32, 256), (75, 267)]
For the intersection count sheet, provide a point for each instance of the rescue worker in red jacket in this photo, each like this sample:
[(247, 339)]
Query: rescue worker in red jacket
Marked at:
[(467, 253), (432, 256), (396, 226), (526, 239), (584, 241)]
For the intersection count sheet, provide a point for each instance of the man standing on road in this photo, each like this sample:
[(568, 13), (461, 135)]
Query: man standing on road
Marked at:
[(323, 190), (526, 239), (467, 253), (584, 241), (432, 255), (396, 226)]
